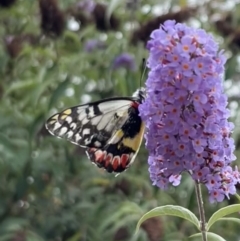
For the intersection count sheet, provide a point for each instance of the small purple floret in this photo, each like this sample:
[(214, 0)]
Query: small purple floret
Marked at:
[(93, 44), (125, 60)]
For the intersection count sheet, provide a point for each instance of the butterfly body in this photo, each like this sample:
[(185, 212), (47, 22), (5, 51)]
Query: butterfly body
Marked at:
[(111, 130)]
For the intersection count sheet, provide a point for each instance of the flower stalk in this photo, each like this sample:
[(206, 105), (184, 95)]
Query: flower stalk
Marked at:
[(201, 210)]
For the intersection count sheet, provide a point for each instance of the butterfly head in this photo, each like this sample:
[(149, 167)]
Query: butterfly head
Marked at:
[(140, 95)]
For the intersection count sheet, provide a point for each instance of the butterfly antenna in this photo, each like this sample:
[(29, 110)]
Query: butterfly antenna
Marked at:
[(143, 70)]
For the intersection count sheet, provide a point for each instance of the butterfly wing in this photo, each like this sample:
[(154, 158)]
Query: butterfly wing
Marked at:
[(89, 125), (111, 127), (121, 149)]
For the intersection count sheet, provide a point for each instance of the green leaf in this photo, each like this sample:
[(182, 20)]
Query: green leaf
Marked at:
[(223, 212), (6, 142), (36, 125), (27, 85), (31, 236), (6, 237), (170, 210), (237, 196), (236, 220), (45, 79), (210, 236), (111, 7), (75, 237), (128, 208), (13, 224), (59, 92)]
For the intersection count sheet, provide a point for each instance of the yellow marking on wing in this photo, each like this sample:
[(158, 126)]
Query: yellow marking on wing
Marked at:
[(119, 133), (116, 137), (67, 112), (53, 119), (63, 117), (136, 141), (51, 122)]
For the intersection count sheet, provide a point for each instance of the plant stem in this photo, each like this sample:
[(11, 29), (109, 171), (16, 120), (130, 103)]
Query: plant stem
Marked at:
[(201, 210)]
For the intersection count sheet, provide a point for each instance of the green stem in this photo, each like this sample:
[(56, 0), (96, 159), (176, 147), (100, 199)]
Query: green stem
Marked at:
[(201, 211)]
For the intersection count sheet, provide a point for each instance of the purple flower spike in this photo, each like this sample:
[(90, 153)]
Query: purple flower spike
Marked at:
[(126, 61), (93, 44), (185, 111), (86, 5)]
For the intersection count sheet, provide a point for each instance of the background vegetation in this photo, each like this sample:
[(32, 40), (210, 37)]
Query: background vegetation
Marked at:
[(48, 188)]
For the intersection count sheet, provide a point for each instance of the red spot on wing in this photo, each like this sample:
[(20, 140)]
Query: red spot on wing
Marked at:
[(135, 104), (99, 155), (115, 162), (108, 159), (92, 150), (124, 160)]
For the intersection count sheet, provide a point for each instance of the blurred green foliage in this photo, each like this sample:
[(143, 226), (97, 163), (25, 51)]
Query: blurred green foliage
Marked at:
[(48, 188)]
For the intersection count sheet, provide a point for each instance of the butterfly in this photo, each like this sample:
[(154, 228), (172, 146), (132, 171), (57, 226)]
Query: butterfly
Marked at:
[(111, 130)]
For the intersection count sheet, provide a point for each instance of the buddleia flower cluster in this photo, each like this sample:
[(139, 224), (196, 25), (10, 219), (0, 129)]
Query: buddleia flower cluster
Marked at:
[(186, 111)]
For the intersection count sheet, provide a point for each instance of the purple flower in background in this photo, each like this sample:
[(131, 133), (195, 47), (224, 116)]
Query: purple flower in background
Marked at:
[(93, 44), (86, 5), (186, 111), (126, 61)]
